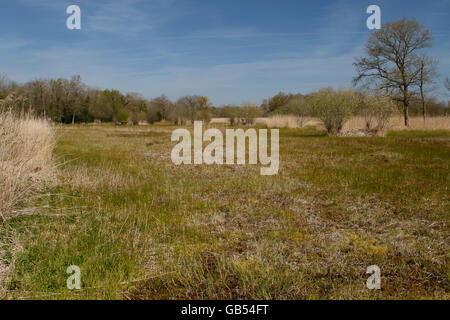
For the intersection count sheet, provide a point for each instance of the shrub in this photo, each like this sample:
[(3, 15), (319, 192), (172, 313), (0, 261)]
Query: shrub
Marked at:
[(122, 116), (333, 108), (204, 115), (249, 112), (376, 110), (298, 106)]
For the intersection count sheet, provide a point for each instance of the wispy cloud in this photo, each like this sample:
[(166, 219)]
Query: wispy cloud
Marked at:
[(58, 4), (8, 42), (120, 17)]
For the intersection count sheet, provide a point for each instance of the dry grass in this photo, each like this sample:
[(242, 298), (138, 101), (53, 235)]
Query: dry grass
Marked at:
[(397, 123), (26, 147), (288, 121), (220, 121), (358, 123), (417, 123)]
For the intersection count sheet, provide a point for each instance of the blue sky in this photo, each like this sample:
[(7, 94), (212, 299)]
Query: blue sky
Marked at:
[(231, 51)]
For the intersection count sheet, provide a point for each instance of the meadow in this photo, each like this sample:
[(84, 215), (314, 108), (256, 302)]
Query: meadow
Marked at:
[(140, 227)]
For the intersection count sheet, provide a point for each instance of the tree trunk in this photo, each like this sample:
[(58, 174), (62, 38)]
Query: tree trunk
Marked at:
[(73, 118), (422, 97), (423, 104), (405, 106), (405, 114)]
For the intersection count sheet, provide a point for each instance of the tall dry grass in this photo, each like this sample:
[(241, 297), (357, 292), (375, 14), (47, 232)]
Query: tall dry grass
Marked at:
[(397, 123), (26, 164), (288, 121), (358, 123)]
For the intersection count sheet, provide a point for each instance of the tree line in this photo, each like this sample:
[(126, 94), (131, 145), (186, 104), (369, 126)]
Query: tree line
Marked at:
[(72, 101)]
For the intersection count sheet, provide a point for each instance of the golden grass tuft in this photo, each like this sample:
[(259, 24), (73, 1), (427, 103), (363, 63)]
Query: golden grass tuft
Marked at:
[(26, 145)]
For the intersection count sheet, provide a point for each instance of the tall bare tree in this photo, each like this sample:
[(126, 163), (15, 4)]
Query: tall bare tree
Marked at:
[(75, 95), (195, 107), (427, 67), (391, 62), (162, 105)]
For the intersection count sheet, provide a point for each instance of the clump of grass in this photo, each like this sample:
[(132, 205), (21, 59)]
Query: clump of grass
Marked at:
[(26, 145)]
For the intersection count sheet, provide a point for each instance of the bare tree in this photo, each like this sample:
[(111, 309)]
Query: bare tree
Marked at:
[(136, 106), (189, 106), (4, 90), (392, 55), (75, 95), (39, 95), (195, 107), (249, 112), (427, 67), (447, 84), (163, 106)]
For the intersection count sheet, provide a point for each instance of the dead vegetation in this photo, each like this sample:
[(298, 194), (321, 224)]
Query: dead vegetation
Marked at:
[(357, 125), (26, 145)]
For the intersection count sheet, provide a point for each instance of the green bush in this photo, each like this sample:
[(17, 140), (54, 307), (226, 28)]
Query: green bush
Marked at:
[(122, 116), (333, 108)]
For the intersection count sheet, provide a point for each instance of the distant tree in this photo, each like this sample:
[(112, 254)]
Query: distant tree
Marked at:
[(189, 106), (136, 107), (122, 116), (194, 108), (152, 115), (39, 96), (249, 112), (233, 113), (93, 100), (111, 102), (163, 106), (75, 96), (427, 67), (298, 106), (274, 104), (4, 86), (392, 59)]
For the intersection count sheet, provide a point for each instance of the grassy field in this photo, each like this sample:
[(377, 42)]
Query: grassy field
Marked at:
[(140, 227)]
